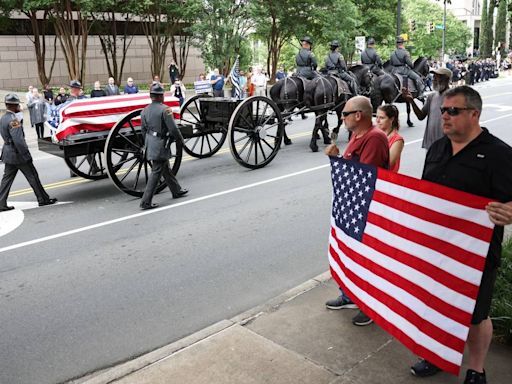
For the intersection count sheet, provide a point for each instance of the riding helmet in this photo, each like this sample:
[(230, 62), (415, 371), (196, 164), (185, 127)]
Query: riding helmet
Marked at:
[(12, 98), (400, 40), (371, 41), (157, 89), (335, 44), (307, 39)]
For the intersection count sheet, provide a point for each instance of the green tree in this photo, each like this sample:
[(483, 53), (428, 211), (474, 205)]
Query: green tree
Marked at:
[(219, 29), (457, 34), (71, 20), (501, 23), (482, 44), (37, 32), (489, 42), (115, 41), (378, 20)]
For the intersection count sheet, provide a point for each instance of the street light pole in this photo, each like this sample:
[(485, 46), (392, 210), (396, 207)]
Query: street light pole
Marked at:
[(398, 17), (444, 33)]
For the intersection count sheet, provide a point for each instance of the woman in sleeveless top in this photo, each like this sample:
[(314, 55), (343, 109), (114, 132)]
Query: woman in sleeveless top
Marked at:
[(387, 121)]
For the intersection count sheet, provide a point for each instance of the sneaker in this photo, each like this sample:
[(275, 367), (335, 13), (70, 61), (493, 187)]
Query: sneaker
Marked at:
[(340, 303), (474, 377), (361, 319), (423, 368)]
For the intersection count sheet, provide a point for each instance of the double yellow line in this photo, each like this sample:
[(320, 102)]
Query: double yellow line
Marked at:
[(80, 180)]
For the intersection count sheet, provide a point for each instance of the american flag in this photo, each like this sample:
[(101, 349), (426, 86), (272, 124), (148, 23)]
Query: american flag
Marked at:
[(102, 113), (235, 78), (410, 253)]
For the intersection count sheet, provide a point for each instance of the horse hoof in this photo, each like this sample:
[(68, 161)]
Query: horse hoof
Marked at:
[(327, 141), (287, 141), (313, 146), (410, 124)]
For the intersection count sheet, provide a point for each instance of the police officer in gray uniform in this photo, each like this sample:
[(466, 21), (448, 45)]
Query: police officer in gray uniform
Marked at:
[(370, 58), (16, 156), (305, 60), (159, 130), (401, 61), (336, 65)]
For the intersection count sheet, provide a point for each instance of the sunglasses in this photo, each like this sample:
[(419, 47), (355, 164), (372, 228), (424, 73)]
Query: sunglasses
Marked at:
[(345, 114), (453, 111)]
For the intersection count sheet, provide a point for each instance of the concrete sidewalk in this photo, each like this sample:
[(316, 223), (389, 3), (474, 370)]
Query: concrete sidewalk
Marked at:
[(291, 339)]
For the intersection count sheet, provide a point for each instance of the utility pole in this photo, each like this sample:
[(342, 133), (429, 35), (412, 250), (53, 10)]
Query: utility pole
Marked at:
[(398, 17), (444, 33)]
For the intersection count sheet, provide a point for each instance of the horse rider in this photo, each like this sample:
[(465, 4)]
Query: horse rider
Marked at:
[(336, 65), (401, 61), (370, 58), (305, 60)]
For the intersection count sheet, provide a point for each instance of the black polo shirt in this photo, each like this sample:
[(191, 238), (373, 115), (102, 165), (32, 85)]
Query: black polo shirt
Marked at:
[(483, 167)]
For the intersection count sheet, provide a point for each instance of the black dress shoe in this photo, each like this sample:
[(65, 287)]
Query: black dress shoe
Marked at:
[(180, 193), (148, 206), (48, 202), (6, 208)]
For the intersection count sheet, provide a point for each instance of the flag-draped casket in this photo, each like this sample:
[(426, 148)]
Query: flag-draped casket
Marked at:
[(102, 113)]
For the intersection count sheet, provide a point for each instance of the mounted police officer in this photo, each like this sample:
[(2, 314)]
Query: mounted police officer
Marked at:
[(336, 65), (401, 61), (16, 156), (370, 58), (305, 60), (159, 130)]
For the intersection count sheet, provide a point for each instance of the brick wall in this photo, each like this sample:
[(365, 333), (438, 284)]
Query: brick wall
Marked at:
[(18, 66)]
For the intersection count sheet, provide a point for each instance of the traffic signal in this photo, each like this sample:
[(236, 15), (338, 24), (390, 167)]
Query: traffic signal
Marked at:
[(413, 25), (430, 27)]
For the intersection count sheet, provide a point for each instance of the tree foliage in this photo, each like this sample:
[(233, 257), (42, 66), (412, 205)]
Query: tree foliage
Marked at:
[(501, 23), (489, 27), (482, 43), (219, 29), (427, 44)]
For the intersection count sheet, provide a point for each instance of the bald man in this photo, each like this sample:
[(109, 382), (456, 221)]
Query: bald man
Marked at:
[(367, 145)]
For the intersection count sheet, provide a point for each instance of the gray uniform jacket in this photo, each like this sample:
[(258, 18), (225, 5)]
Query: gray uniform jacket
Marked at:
[(112, 90), (370, 57), (15, 149), (401, 60), (335, 61), (159, 130), (38, 110), (306, 63)]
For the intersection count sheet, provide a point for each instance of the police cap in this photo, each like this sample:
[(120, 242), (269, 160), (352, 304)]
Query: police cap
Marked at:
[(12, 98), (156, 89), (400, 40), (371, 41), (75, 84), (307, 39), (335, 44)]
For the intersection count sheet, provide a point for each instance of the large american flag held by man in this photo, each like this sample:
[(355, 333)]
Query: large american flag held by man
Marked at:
[(410, 253), (102, 113), (235, 78)]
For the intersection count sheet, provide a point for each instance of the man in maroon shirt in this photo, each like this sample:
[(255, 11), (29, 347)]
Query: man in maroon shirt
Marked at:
[(368, 145)]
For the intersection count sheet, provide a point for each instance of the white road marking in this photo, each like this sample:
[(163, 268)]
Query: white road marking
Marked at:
[(10, 220)]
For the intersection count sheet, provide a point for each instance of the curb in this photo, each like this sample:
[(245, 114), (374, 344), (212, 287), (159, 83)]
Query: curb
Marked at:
[(111, 374)]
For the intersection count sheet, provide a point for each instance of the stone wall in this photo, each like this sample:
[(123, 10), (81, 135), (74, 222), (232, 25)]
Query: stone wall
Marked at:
[(18, 66)]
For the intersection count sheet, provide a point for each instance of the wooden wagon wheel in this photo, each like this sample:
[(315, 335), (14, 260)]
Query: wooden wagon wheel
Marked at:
[(207, 138), (126, 164), (255, 132), (87, 166)]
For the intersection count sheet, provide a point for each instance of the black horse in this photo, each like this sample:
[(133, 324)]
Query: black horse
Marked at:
[(288, 94), (387, 87), (329, 93)]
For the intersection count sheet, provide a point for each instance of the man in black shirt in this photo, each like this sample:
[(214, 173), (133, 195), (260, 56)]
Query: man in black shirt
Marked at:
[(471, 159)]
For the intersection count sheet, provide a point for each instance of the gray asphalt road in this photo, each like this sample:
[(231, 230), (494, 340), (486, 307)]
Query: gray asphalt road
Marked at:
[(93, 282)]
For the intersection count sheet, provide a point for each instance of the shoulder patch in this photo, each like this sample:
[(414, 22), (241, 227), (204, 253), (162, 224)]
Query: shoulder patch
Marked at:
[(168, 110), (15, 123)]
